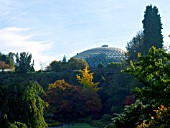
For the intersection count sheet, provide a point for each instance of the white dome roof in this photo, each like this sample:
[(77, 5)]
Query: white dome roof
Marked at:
[(101, 55)]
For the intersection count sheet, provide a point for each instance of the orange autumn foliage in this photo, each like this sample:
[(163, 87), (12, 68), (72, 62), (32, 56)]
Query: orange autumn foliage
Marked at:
[(3, 65)]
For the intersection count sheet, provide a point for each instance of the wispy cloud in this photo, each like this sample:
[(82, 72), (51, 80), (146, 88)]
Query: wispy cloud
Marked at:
[(5, 7), (13, 40)]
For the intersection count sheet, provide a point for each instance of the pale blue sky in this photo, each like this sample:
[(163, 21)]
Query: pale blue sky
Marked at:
[(50, 29)]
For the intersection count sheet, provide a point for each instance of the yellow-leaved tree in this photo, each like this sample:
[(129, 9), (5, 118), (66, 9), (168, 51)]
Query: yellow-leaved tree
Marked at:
[(86, 79)]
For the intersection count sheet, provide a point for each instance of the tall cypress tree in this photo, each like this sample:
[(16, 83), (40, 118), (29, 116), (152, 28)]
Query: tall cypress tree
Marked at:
[(152, 29)]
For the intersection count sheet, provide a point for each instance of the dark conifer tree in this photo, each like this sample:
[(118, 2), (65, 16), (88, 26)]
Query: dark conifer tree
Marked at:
[(152, 29), (64, 59), (134, 47), (23, 63)]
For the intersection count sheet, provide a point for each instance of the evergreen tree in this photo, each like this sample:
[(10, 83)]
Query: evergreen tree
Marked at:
[(64, 59), (23, 63), (152, 29), (134, 47), (22, 103)]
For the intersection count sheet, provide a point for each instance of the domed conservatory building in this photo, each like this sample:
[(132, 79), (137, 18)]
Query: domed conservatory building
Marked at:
[(101, 55)]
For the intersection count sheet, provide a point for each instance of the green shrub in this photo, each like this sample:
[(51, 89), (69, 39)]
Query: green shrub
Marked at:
[(97, 124), (21, 102), (17, 125), (133, 115), (106, 118), (12, 125)]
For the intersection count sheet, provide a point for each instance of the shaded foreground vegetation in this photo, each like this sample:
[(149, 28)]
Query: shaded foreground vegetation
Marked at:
[(77, 125), (24, 103)]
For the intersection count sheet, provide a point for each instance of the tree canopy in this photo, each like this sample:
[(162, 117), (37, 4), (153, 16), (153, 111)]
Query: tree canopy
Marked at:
[(23, 63), (152, 29), (150, 36), (87, 79), (134, 47), (22, 103), (7, 61), (153, 71), (149, 110), (71, 65), (4, 66), (68, 102)]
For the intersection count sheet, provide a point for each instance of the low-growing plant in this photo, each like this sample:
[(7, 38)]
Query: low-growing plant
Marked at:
[(160, 118), (132, 115)]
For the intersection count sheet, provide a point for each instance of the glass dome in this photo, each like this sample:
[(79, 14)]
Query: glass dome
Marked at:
[(101, 55)]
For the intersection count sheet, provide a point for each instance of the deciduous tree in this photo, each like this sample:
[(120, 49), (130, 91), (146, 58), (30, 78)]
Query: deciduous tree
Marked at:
[(68, 102), (87, 79), (8, 59), (4, 66), (60, 97), (77, 64), (153, 72), (71, 65)]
